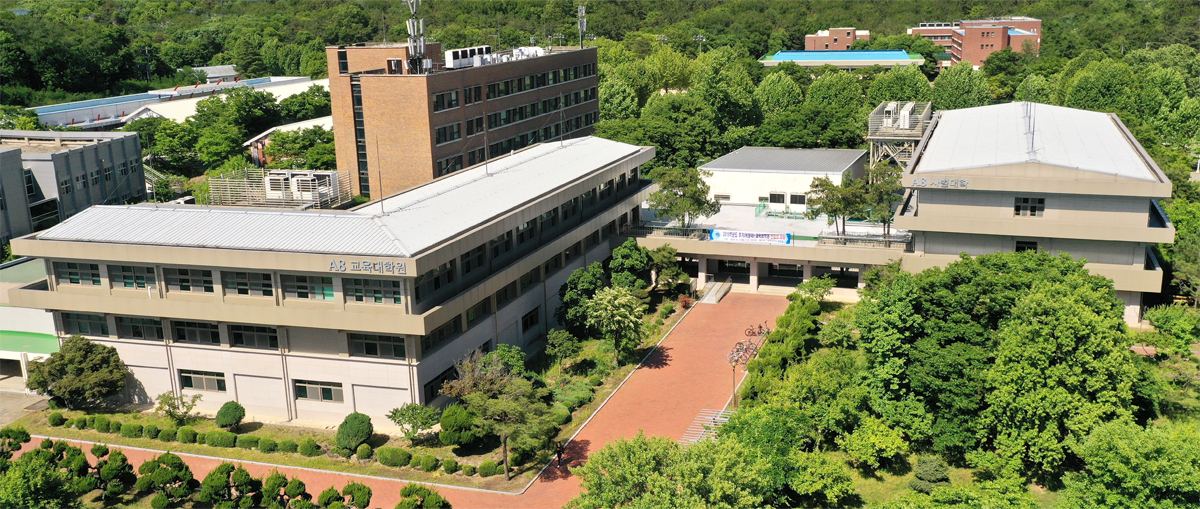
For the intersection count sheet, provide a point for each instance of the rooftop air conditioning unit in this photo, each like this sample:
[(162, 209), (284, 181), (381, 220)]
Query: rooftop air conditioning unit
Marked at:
[(278, 187), (905, 115), (889, 114)]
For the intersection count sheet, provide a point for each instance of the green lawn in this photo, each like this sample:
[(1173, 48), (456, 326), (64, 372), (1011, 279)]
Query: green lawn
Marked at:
[(881, 486)]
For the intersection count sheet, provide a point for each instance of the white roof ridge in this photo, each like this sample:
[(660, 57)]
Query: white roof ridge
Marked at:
[(388, 231)]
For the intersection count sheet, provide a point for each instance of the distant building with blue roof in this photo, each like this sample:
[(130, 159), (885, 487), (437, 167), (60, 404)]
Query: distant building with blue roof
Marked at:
[(848, 59)]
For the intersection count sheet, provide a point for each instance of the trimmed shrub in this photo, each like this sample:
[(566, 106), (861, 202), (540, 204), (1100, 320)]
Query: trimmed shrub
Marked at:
[(419, 496), (220, 438), (450, 466), (247, 442), (359, 495), (415, 462), (458, 426), (666, 308), (230, 414), (267, 445), (560, 413), (393, 456), (287, 446), (114, 426), (187, 435), (468, 470), (574, 394), (930, 472), (364, 452), (355, 429), (487, 469), (46, 444), (201, 438), (131, 430), (56, 419), (150, 431), (409, 503), (56, 403), (309, 448), (595, 380), (343, 452), (101, 424), (429, 463), (329, 496), (80, 423), (167, 435), (91, 421)]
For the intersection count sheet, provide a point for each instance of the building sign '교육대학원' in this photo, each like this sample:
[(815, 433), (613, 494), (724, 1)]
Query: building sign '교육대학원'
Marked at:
[(374, 267), (750, 237)]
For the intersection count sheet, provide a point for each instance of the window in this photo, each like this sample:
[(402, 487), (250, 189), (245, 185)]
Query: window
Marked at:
[(552, 265), (1026, 246), (501, 245), (479, 312), (377, 291), (506, 295), (620, 182), (441, 334), (318, 391), (474, 126), (570, 208), (202, 380), (81, 182), (307, 287), (449, 165), (434, 387), (126, 276), (530, 320), (527, 232), (721, 197), (606, 190), (445, 100), (64, 187), (371, 345), (1031, 207), (87, 325), (197, 332), (95, 177), (253, 336), (189, 280), (776, 198), (139, 328), (472, 94), (432, 281), (572, 252), (473, 260), (798, 199), (448, 133), (343, 63), (86, 274), (247, 283), (529, 279), (108, 174), (475, 157)]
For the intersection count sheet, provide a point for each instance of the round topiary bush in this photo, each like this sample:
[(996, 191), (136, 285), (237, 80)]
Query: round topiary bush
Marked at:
[(101, 424), (80, 423), (131, 430), (201, 438), (429, 463), (56, 403), (458, 426), (342, 452), (930, 472), (487, 469), (230, 414), (449, 465), (287, 446), (167, 435), (56, 419), (595, 380), (114, 426), (468, 470), (364, 452), (393, 456), (160, 501), (309, 448), (355, 429), (150, 431), (220, 439), (560, 413), (186, 435), (267, 445), (91, 421), (247, 442), (415, 461), (329, 496)]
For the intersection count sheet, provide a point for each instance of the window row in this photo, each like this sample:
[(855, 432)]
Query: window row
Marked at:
[(538, 108), (211, 381), (547, 133), (535, 81)]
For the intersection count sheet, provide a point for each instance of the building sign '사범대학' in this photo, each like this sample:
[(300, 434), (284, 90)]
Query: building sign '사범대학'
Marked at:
[(750, 237), (369, 266), (942, 183)]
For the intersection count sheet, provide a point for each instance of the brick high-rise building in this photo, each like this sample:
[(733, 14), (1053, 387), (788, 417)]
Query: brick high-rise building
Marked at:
[(834, 39), (395, 129), (974, 40)]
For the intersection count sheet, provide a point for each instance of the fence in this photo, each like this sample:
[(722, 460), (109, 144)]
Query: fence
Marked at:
[(249, 188)]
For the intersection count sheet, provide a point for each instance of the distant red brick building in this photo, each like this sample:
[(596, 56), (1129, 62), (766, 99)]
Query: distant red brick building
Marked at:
[(834, 39), (974, 40)]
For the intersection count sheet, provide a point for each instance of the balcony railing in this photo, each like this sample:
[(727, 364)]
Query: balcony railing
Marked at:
[(899, 241)]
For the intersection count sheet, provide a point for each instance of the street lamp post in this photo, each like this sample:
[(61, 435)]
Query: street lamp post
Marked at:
[(662, 39), (700, 39)]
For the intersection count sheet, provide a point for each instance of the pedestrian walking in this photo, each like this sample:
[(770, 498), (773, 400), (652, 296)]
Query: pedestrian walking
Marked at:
[(558, 451)]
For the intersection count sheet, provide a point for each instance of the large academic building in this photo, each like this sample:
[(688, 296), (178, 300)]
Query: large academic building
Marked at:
[(311, 315), (1001, 178)]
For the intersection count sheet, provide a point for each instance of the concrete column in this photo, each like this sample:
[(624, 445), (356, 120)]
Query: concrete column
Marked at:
[(1133, 306), (808, 271), (25, 369), (702, 272), (861, 282), (754, 274)]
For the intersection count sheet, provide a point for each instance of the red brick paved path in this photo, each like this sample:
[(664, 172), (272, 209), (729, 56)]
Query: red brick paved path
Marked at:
[(686, 374)]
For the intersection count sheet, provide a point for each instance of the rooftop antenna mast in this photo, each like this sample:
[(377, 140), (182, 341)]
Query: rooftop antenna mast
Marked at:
[(582, 23), (416, 39)]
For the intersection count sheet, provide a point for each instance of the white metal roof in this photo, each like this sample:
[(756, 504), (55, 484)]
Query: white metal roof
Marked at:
[(402, 225), (786, 160), (325, 122), (179, 110), (1023, 132)]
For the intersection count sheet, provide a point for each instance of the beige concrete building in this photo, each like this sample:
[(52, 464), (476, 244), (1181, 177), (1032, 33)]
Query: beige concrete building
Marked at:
[(312, 315), (779, 177), (1000, 178)]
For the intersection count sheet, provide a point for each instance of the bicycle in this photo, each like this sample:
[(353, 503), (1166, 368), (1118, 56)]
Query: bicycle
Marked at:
[(759, 331)]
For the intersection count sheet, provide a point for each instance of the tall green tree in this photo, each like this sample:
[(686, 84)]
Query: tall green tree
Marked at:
[(960, 86), (837, 202), (580, 286), (1125, 465), (682, 195), (617, 315), (630, 265), (777, 93), (1034, 88), (618, 101), (80, 372), (35, 480), (518, 414), (905, 83), (309, 104)]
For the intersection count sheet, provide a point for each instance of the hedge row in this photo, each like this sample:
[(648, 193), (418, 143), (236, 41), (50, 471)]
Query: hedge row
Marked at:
[(188, 435)]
